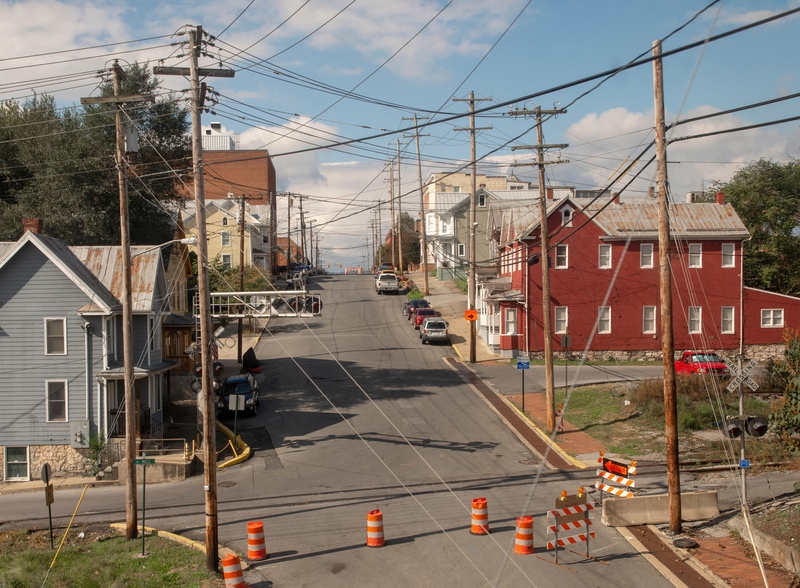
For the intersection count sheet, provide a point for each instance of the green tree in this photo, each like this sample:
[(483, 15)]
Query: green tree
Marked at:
[(766, 195), (785, 416), (59, 165)]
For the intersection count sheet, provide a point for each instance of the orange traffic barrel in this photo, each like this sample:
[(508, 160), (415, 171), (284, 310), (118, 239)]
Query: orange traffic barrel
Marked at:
[(232, 570), (375, 529), (256, 547), (524, 541), (480, 517)]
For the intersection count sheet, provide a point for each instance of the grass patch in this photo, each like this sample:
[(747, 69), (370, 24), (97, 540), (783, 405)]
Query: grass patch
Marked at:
[(462, 285), (415, 294), (782, 523), (432, 273), (98, 558)]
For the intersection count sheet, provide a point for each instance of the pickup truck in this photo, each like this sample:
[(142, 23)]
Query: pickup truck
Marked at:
[(700, 362), (387, 282)]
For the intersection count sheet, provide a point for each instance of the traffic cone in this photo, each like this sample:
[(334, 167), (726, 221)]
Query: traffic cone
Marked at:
[(256, 547), (523, 544), (232, 570), (480, 517), (375, 529)]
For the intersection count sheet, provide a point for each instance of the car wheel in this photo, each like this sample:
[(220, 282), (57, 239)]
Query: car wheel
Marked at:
[(423, 340), (254, 410)]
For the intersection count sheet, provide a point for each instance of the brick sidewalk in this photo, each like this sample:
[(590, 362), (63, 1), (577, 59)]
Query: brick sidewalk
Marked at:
[(736, 564)]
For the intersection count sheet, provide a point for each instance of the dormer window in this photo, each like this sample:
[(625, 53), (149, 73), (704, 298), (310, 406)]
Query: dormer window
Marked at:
[(481, 199), (566, 217), (224, 221)]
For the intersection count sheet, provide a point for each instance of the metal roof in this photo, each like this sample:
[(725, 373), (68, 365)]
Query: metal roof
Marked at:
[(146, 272)]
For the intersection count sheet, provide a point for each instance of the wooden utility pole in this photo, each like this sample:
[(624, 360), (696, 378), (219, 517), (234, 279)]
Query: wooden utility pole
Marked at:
[(131, 526), (289, 233), (391, 202), (399, 214), (206, 336), (547, 326), (665, 281), (241, 276), (423, 231), (473, 203)]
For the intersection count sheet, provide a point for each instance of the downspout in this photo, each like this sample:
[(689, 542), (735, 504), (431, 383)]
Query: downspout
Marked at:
[(87, 331), (741, 297)]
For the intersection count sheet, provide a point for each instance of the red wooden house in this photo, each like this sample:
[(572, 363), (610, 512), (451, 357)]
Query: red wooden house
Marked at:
[(604, 281)]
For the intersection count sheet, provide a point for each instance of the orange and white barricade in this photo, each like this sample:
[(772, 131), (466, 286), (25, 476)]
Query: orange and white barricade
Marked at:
[(570, 518), (617, 472), (232, 570), (256, 547), (480, 517), (560, 418), (523, 543), (375, 529)]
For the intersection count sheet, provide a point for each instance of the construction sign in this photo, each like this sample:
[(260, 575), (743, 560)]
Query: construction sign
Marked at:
[(615, 467), (471, 315)]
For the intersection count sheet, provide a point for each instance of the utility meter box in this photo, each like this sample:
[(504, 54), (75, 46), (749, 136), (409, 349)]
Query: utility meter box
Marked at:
[(79, 434)]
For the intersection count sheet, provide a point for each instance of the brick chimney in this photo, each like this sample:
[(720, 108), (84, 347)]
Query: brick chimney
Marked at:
[(652, 192), (720, 198), (615, 197), (34, 225), (549, 193)]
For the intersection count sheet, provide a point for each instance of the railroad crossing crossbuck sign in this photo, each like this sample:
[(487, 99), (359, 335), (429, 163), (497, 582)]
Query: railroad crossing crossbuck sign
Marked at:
[(741, 377)]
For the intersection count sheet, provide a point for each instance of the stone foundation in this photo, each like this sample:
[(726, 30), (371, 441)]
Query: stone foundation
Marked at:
[(64, 461), (761, 353)]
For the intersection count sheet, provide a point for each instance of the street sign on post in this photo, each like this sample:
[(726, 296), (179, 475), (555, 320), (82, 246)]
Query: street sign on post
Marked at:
[(471, 315), (49, 498), (143, 461), (523, 364), (741, 377)]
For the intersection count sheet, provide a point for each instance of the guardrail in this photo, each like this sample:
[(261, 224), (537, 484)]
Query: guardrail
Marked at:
[(284, 303)]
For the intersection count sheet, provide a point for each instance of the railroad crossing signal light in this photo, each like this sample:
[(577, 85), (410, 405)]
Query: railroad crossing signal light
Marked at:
[(733, 427), (756, 426)]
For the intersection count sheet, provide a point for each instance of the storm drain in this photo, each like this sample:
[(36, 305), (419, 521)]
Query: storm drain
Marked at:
[(226, 484)]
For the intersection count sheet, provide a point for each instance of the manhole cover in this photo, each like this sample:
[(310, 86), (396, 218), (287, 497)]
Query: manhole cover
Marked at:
[(529, 461), (685, 543), (226, 484)]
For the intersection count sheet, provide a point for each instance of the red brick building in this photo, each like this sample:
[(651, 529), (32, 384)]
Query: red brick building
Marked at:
[(604, 282)]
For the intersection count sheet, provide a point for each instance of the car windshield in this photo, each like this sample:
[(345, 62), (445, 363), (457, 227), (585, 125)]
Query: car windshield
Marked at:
[(705, 357), (421, 304), (426, 312), (236, 388)]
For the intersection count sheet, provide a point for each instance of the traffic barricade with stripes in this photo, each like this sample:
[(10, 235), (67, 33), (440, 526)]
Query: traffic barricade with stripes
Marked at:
[(571, 514), (617, 472)]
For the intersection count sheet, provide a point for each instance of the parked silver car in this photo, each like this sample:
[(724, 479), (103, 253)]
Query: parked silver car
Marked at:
[(434, 329)]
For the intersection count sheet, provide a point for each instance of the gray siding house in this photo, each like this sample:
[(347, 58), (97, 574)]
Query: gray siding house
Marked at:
[(61, 343)]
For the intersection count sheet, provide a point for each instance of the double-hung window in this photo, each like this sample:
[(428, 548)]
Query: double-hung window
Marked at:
[(695, 255), (462, 250), (16, 460), (727, 320), (604, 319), (511, 321), (562, 259), (695, 320), (771, 318), (561, 316), (604, 257), (56, 401), (728, 255), (226, 260), (225, 239), (55, 336), (646, 255), (649, 320)]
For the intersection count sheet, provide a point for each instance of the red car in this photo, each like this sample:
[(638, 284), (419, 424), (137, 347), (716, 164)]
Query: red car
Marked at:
[(421, 314), (701, 362)]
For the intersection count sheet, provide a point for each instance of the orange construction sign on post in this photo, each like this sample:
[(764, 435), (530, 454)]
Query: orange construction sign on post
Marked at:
[(471, 315)]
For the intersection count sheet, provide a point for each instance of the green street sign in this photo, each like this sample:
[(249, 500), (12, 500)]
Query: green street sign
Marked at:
[(143, 461)]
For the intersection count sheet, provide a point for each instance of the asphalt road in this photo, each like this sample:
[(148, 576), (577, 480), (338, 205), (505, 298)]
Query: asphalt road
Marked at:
[(356, 414)]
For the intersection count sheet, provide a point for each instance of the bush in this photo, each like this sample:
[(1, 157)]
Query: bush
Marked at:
[(786, 413)]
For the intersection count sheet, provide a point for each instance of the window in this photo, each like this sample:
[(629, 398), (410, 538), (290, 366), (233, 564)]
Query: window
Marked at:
[(265, 239), (56, 401), (695, 319), (649, 320), (55, 336), (511, 321), (604, 319), (646, 255), (561, 320), (110, 337), (445, 226), (771, 317), (566, 217), (456, 188), (481, 199), (16, 460), (225, 238), (226, 260), (461, 250), (431, 220), (727, 320), (604, 257), (695, 255), (155, 393), (151, 333), (561, 257), (728, 251)]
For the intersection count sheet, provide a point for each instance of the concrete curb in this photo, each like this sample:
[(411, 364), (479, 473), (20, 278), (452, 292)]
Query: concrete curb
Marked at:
[(782, 553), (650, 558), (243, 457)]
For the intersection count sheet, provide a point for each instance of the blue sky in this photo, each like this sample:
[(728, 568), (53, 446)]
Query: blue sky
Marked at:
[(551, 43)]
